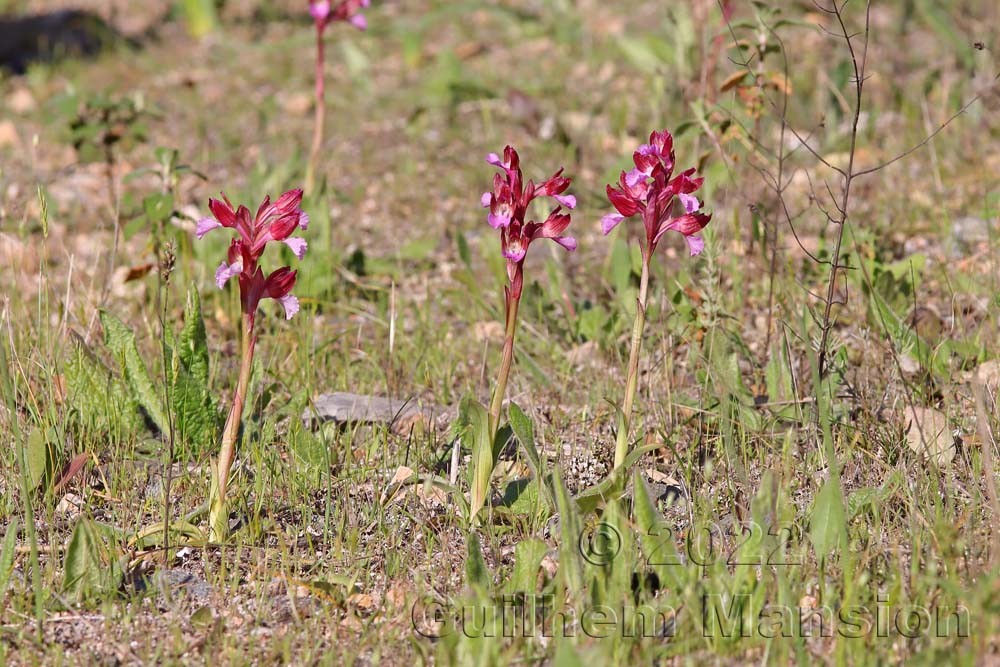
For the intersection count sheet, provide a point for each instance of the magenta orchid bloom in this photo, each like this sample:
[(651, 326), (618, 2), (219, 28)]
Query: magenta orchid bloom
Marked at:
[(650, 190), (273, 222), (324, 12), (508, 204)]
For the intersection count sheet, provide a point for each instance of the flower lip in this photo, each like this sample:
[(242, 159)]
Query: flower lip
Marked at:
[(319, 9), (227, 271), (205, 225)]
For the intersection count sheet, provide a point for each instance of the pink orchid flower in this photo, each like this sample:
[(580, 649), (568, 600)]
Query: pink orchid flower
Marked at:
[(324, 12), (650, 190), (508, 206), (273, 222)]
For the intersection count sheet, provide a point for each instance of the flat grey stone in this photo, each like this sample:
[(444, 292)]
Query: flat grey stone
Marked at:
[(348, 408)]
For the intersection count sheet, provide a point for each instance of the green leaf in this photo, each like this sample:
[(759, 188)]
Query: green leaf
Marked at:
[(158, 207), (121, 341), (89, 568), (521, 496), (570, 566), (524, 430), (566, 655), (7, 557), (655, 539), (39, 457), (613, 486), (464, 253), (476, 432), (828, 525), (193, 343), (193, 404), (528, 556), (477, 576), (860, 499), (99, 400), (200, 16)]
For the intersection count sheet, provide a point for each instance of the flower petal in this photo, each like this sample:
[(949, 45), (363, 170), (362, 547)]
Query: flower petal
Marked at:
[(303, 221), (298, 245), (691, 203), (359, 22), (515, 252), (569, 201), (227, 271), (320, 10), (498, 220), (634, 177), (553, 226), (205, 225), (290, 304), (486, 199), (223, 211), (695, 244), (494, 159), (610, 221), (625, 204), (567, 242)]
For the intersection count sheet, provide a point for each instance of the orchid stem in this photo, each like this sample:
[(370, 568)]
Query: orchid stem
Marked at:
[(505, 364), (232, 428), (632, 379), (320, 120)]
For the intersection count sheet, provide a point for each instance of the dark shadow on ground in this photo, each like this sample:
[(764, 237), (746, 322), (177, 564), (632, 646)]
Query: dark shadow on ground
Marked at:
[(50, 37)]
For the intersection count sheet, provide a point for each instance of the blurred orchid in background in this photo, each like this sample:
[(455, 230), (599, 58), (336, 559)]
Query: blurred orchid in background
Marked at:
[(274, 222), (325, 12), (666, 203)]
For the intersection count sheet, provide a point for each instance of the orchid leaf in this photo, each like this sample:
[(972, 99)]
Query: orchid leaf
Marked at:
[(121, 341)]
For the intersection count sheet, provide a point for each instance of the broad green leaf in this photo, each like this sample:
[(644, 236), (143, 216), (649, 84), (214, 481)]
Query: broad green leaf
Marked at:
[(7, 556), (39, 457), (566, 655), (828, 525), (90, 568), (100, 400), (569, 527), (528, 555), (192, 401), (860, 499), (476, 433), (612, 486), (121, 341), (158, 207), (477, 576), (525, 432), (655, 538), (193, 343), (521, 496), (464, 253)]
